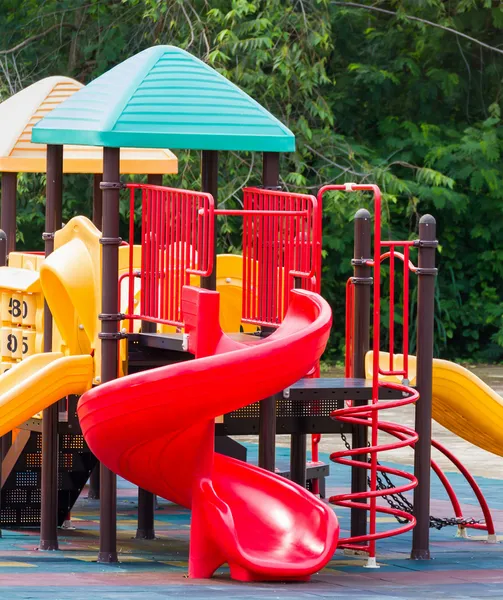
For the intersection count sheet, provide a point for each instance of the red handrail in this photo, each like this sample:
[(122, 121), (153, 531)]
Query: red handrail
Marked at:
[(368, 415)]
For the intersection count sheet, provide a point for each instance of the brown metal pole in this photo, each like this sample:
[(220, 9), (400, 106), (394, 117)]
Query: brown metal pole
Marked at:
[(209, 183), (145, 529), (267, 407), (97, 201), (6, 440), (3, 248), (146, 500), (8, 218), (109, 337), (94, 479), (362, 281), (49, 503), (298, 458), (425, 324), (94, 483)]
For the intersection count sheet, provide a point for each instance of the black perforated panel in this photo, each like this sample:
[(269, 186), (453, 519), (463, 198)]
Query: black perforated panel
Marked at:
[(20, 496)]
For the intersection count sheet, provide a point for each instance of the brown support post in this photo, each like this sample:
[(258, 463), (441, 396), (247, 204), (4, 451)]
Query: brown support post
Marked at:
[(298, 458), (94, 483), (362, 281), (267, 409), (146, 500), (109, 337), (3, 248), (425, 323), (49, 503), (6, 440), (97, 201), (6, 443), (8, 218), (94, 479), (145, 530), (209, 183)]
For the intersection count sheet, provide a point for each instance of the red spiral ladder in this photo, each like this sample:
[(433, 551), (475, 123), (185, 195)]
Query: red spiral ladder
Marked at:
[(368, 415)]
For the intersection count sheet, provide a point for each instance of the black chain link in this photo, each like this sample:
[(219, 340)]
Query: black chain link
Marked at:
[(400, 502)]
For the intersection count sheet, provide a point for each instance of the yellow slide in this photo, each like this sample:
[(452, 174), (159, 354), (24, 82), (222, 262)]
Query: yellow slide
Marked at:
[(462, 402), (39, 381)]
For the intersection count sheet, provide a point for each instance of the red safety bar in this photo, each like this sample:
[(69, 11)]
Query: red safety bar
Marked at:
[(368, 415), (177, 241), (281, 243)]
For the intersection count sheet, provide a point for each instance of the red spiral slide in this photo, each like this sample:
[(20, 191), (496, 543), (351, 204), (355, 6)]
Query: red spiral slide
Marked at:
[(156, 429)]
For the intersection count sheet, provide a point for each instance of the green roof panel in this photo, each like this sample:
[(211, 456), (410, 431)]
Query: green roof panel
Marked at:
[(164, 97)]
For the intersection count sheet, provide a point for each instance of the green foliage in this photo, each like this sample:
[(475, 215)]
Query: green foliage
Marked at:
[(370, 97)]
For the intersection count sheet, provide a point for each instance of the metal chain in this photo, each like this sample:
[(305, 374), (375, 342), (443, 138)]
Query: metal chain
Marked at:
[(400, 502)]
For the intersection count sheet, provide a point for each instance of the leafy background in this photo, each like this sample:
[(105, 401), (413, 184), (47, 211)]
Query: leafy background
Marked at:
[(371, 97)]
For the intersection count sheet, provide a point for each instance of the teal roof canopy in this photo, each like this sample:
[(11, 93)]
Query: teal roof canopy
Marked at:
[(164, 97)]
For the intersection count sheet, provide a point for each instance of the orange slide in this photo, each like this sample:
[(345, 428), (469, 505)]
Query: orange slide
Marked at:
[(156, 429)]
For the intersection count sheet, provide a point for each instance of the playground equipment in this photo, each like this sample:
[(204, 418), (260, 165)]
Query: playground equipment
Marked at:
[(154, 285)]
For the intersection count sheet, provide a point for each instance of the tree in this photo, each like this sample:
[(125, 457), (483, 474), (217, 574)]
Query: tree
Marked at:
[(371, 96)]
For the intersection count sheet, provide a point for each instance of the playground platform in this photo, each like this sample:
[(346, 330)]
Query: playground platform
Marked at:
[(150, 570)]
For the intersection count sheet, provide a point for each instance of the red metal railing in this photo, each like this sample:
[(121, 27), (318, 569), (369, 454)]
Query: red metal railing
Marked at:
[(177, 241), (281, 243), (281, 249), (367, 416)]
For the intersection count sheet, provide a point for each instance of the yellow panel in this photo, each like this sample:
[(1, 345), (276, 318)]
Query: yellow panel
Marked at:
[(16, 308), (29, 308), (19, 280), (15, 343), (32, 261), (230, 286), (6, 314), (29, 343), (16, 260), (6, 343)]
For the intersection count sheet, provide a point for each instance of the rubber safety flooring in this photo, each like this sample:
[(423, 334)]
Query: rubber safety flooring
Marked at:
[(151, 570)]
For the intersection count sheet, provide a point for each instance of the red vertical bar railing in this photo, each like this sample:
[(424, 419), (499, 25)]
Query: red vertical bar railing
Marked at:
[(177, 241), (368, 415), (281, 241)]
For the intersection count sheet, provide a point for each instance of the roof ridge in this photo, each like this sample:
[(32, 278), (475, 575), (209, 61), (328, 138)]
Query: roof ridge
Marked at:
[(136, 80)]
